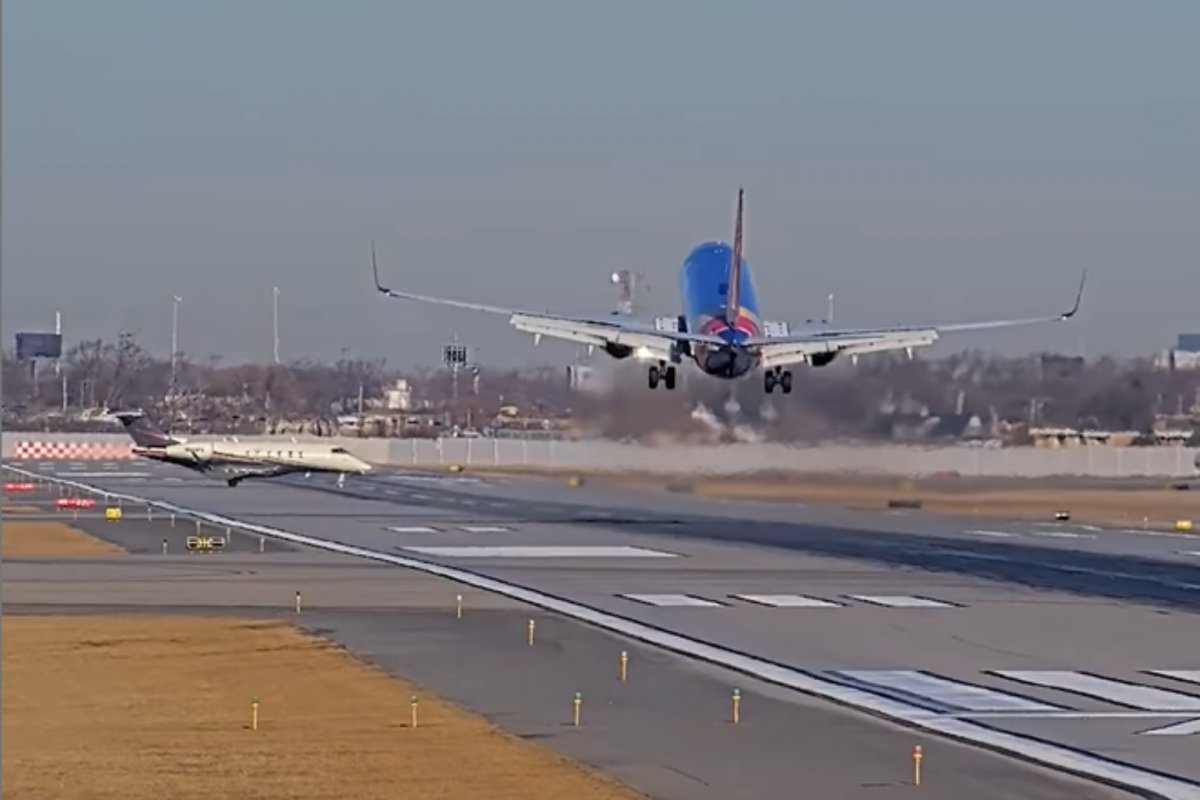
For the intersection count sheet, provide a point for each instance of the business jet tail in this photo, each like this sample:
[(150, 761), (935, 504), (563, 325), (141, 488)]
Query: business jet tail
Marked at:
[(143, 432)]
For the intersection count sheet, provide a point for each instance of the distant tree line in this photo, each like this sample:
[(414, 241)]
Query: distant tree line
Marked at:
[(866, 401)]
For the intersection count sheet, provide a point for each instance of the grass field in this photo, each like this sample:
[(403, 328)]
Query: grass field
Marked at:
[(1135, 507), (43, 539), (152, 707), (1158, 508)]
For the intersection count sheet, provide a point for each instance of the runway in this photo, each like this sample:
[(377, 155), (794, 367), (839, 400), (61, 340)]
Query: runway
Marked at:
[(1085, 638)]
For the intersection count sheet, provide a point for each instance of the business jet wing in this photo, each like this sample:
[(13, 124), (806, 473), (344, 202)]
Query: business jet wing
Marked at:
[(618, 330), (804, 346)]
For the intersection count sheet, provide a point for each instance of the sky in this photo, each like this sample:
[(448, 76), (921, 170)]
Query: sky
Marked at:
[(923, 161)]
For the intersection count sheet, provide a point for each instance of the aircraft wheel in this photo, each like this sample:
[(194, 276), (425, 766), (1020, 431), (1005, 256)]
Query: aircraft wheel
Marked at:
[(769, 381), (669, 378), (653, 377), (785, 381)]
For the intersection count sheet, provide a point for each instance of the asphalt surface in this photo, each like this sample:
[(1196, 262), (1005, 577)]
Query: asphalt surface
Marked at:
[(1013, 625)]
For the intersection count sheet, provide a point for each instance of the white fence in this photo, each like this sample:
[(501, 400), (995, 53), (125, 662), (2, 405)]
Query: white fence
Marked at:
[(696, 460)]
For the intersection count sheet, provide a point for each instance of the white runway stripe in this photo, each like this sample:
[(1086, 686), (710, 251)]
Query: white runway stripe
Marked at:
[(486, 529), (1122, 694), (529, 551), (900, 601), (1188, 728), (1188, 675), (787, 601), (943, 691), (671, 600), (411, 529)]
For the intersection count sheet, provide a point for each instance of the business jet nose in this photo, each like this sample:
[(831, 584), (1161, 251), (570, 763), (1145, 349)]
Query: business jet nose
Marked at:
[(364, 467)]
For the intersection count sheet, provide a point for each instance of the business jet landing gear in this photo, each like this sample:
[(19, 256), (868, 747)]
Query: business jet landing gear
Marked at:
[(341, 480), (663, 372), (777, 377)]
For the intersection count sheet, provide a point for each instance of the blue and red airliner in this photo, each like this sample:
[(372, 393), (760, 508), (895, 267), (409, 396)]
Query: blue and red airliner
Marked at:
[(721, 329)]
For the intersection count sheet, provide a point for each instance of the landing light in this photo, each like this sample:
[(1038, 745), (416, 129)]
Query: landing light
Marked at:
[(644, 353)]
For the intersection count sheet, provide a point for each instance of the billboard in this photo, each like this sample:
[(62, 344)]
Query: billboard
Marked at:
[(39, 345)]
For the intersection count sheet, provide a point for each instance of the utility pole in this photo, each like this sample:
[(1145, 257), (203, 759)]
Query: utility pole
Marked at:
[(829, 317), (275, 319), (174, 340)]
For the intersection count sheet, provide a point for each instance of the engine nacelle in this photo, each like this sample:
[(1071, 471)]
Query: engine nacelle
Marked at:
[(618, 350)]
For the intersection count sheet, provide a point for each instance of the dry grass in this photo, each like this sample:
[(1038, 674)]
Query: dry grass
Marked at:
[(151, 707), (1160, 508), (7, 509), (21, 539)]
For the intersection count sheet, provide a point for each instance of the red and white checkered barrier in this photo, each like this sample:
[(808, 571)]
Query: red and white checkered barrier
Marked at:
[(71, 451)]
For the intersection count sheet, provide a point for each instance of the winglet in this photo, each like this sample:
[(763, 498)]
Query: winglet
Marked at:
[(375, 270), (732, 297), (1078, 297)]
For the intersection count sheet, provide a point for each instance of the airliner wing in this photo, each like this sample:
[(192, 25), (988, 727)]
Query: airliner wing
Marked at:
[(614, 330), (792, 348)]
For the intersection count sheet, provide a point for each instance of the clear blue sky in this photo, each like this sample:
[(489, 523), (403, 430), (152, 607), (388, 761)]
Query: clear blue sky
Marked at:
[(924, 161)]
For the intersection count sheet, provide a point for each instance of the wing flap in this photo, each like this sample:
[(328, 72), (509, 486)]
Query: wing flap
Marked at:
[(779, 354)]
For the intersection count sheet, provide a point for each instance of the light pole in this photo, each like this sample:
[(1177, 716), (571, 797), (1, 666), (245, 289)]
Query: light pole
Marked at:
[(275, 319), (174, 339)]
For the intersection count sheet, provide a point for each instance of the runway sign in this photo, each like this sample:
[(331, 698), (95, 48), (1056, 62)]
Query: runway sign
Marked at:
[(205, 544)]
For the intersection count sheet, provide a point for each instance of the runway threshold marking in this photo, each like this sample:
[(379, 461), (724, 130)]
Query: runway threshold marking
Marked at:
[(1119, 693), (944, 692), (411, 529), (1043, 752), (532, 551), (787, 601), (1188, 728), (900, 601), (670, 600), (1186, 675)]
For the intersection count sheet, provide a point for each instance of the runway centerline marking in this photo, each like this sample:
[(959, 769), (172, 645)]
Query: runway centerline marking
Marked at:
[(485, 529), (411, 529)]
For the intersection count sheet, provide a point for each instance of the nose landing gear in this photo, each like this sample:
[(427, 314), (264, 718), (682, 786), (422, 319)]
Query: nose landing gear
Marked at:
[(777, 377), (663, 372)]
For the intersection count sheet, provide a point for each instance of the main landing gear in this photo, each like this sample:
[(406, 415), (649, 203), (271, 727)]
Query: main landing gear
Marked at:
[(664, 372), (777, 377)]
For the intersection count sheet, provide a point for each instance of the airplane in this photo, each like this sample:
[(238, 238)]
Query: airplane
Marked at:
[(262, 458), (720, 329)]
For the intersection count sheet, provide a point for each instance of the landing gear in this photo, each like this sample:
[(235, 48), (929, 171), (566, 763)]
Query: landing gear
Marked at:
[(663, 372), (234, 481), (341, 483), (777, 377)]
